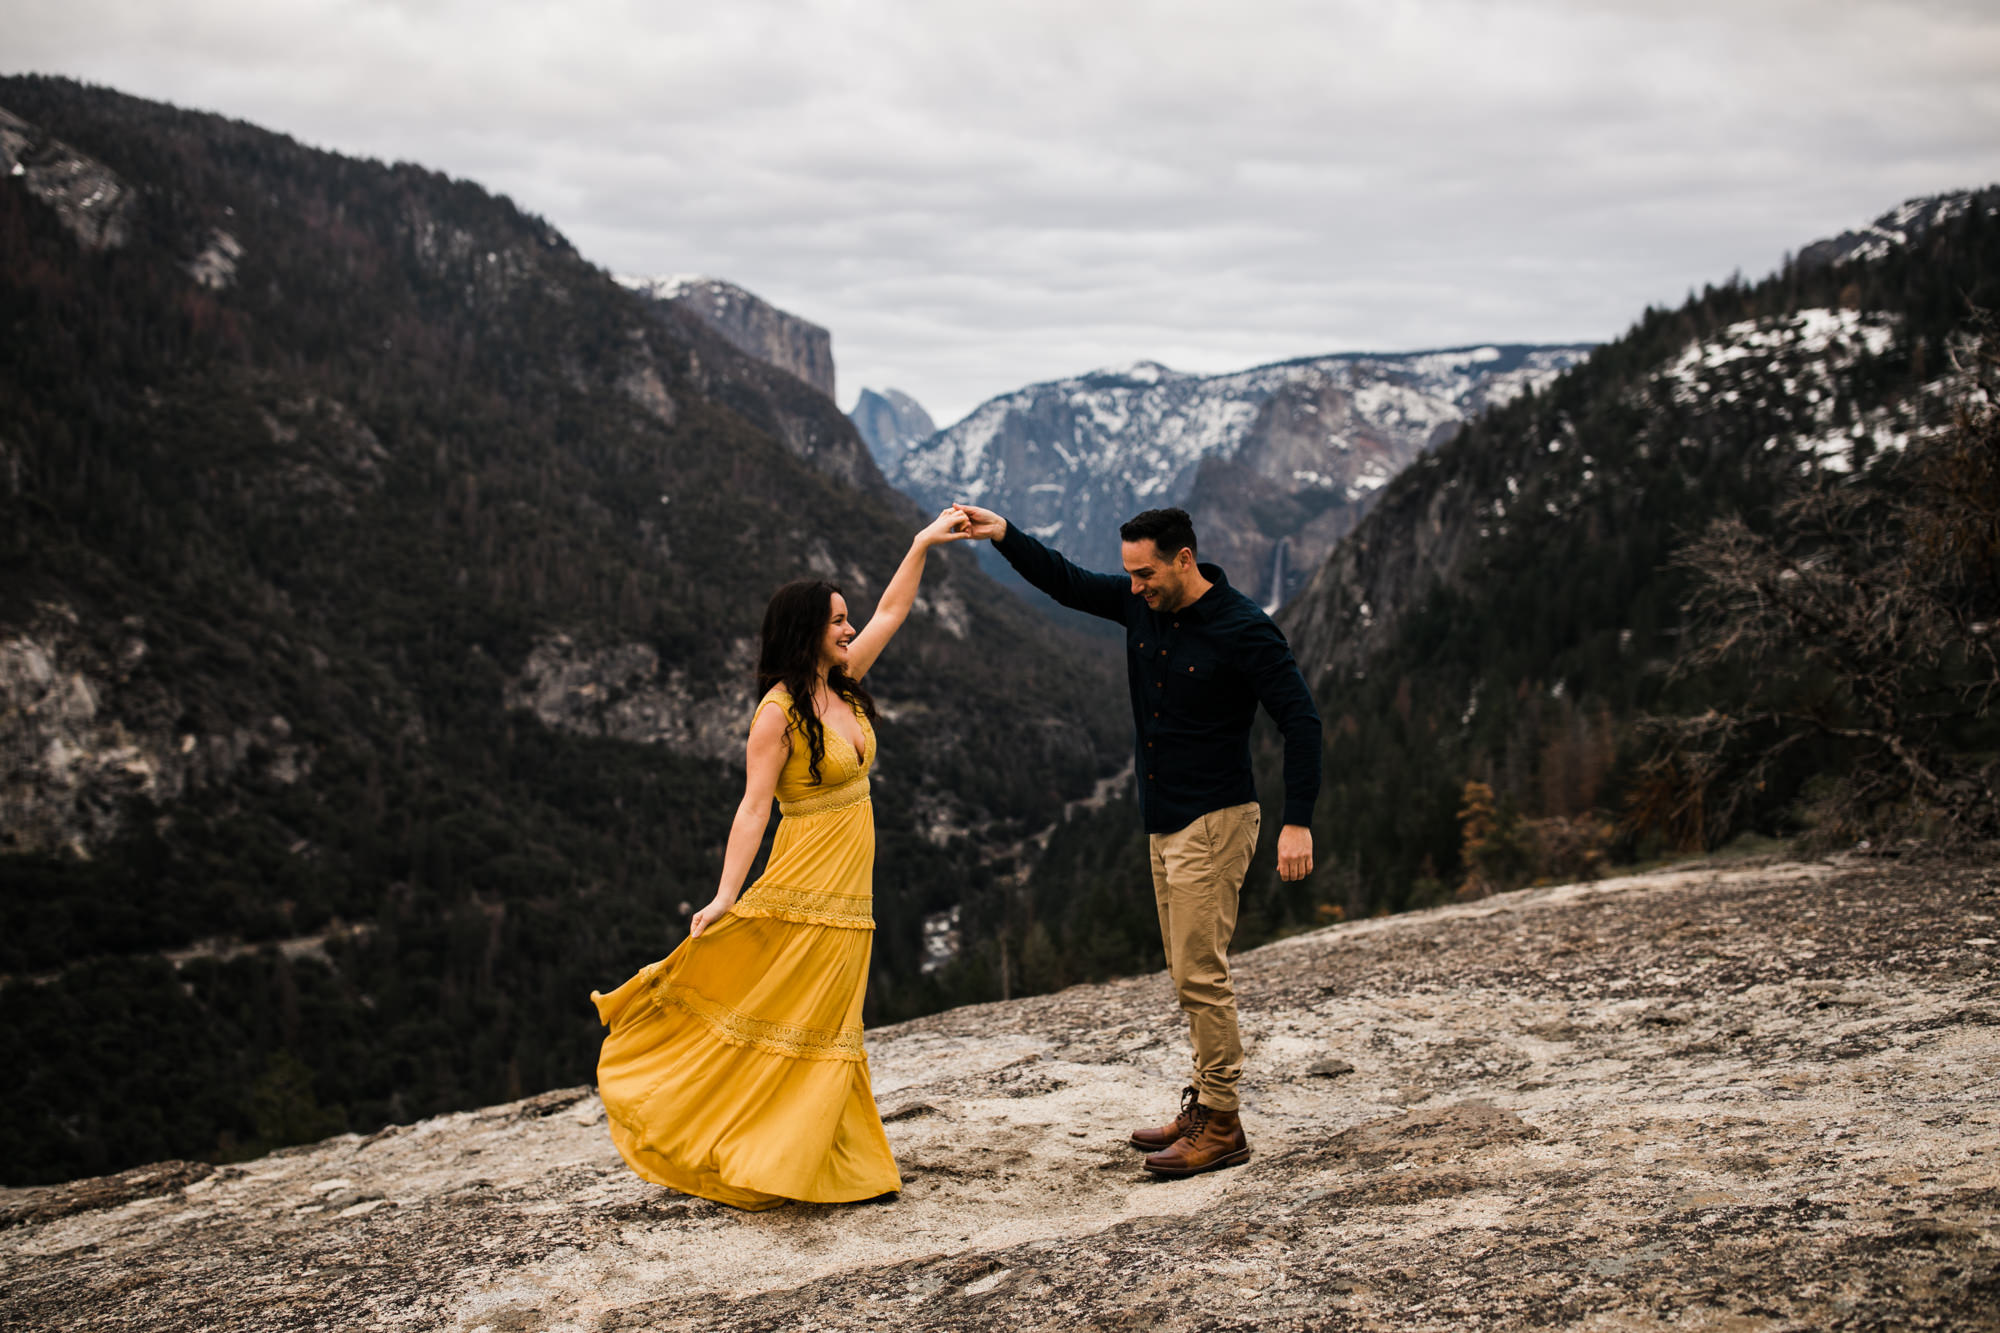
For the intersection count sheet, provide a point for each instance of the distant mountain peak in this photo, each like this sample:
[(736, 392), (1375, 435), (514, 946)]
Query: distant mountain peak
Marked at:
[(1139, 372), (750, 323), (890, 421)]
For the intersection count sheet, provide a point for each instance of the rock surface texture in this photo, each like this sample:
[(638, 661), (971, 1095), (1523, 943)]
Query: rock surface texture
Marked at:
[(1749, 1098)]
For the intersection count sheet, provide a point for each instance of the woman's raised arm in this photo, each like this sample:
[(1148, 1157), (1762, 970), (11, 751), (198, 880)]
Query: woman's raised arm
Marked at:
[(894, 608)]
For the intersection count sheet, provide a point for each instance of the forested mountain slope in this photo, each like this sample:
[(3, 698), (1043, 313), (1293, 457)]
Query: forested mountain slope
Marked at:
[(1515, 603), (1511, 606), (378, 584)]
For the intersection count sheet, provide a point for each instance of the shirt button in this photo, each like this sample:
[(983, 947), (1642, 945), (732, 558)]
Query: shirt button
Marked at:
[(1149, 745), (1156, 715), (1163, 652)]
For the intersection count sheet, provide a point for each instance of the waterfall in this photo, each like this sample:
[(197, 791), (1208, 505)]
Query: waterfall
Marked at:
[(1277, 596)]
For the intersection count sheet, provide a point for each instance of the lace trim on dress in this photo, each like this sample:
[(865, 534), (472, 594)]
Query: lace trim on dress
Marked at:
[(782, 697), (852, 792), (807, 906), (793, 1040)]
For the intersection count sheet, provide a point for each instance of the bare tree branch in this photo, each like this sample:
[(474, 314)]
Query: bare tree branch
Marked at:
[(1867, 620)]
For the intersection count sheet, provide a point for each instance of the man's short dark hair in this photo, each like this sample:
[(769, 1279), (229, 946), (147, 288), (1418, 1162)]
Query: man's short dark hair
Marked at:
[(1169, 529)]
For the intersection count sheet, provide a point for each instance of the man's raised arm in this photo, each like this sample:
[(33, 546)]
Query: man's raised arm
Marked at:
[(1079, 589)]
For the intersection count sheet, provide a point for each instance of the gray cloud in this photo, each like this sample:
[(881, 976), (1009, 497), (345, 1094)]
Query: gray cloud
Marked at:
[(973, 197)]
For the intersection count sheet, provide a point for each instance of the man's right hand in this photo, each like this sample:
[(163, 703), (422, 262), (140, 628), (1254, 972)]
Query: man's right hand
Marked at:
[(983, 523)]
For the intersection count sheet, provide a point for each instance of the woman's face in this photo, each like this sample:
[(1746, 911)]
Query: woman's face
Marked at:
[(833, 644)]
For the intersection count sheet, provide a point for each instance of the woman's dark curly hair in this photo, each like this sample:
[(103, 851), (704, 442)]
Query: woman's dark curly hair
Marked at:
[(788, 655)]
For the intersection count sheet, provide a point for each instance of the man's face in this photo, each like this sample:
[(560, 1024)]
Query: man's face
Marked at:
[(1162, 582)]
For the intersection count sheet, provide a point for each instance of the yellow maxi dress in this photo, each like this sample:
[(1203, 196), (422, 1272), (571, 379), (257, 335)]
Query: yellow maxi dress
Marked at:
[(733, 1068)]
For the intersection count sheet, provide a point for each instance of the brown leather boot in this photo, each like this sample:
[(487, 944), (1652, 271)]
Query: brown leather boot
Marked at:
[(1153, 1140), (1213, 1142)]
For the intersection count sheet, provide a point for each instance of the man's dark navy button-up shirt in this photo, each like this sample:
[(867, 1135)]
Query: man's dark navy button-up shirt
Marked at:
[(1197, 676)]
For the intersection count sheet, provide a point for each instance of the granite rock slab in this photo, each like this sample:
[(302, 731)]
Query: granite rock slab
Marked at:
[(1745, 1098)]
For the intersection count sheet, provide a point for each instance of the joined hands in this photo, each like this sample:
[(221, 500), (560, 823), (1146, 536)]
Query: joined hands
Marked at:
[(951, 525), (982, 524)]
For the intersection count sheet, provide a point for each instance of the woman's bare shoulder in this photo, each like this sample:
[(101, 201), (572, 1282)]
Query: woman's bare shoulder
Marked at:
[(770, 719)]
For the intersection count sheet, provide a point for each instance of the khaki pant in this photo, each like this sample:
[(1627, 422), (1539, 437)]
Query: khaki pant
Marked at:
[(1197, 876)]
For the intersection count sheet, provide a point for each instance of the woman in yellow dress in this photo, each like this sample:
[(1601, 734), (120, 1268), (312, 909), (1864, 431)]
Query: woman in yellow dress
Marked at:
[(733, 1068)]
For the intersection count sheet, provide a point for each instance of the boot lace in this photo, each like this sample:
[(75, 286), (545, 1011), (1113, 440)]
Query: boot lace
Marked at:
[(1193, 1115)]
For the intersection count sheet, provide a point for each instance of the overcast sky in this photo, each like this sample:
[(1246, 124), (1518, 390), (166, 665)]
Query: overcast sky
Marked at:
[(976, 196)]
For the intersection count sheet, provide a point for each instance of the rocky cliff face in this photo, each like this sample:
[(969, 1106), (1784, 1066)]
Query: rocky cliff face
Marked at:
[(87, 196), (90, 722), (1285, 453), (751, 324), (770, 367), (892, 423), (1719, 1098)]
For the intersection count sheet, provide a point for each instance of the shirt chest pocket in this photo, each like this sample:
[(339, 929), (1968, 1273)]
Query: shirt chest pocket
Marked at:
[(1191, 677)]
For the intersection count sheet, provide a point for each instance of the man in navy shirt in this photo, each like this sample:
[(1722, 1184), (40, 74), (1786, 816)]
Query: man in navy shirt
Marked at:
[(1199, 658)]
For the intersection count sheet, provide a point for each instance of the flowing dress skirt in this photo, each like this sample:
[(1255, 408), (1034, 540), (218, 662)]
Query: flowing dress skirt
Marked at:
[(733, 1068)]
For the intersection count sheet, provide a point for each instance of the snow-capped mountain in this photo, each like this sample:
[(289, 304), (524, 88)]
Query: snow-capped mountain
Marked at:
[(1280, 455), (1901, 226), (890, 422)]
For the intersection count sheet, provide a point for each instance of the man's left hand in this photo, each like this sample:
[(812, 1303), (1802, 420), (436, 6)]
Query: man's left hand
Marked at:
[(1295, 852)]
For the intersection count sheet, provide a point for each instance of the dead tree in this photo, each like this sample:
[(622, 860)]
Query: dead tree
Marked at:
[(1867, 622)]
